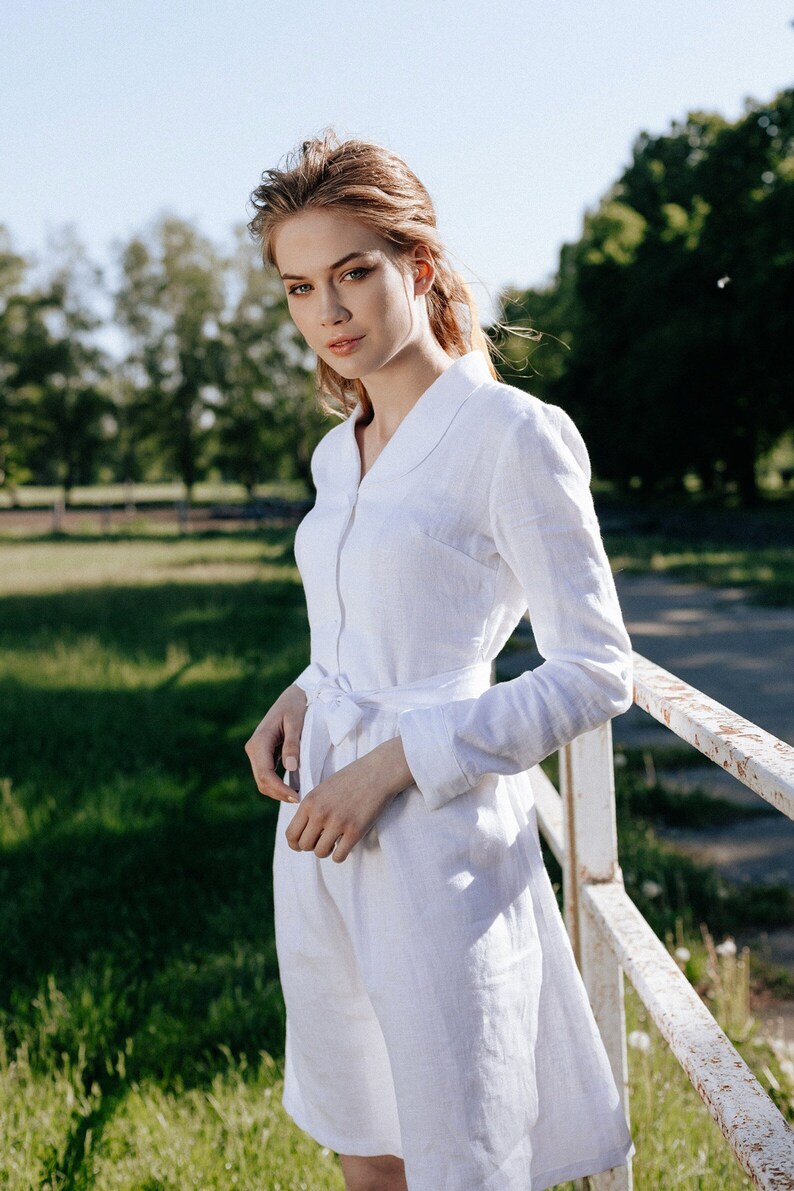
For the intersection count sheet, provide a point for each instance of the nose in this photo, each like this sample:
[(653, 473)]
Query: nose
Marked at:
[(332, 310)]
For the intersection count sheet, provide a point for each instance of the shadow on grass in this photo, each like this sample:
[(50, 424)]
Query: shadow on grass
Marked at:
[(135, 533), (135, 875), (231, 649), (169, 926), (69, 752), (155, 945), (242, 618)]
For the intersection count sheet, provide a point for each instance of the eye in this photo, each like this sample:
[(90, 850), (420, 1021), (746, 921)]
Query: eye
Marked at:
[(296, 288), (359, 269)]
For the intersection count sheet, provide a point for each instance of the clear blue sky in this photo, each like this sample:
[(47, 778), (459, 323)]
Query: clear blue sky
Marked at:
[(517, 116)]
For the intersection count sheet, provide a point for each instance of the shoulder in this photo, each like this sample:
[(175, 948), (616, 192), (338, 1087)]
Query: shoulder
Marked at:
[(517, 425), (327, 449)]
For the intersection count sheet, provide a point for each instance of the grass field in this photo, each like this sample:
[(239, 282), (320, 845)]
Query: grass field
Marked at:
[(141, 1021)]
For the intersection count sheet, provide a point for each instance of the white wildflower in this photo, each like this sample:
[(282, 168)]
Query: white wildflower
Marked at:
[(726, 947), (787, 1068), (651, 888), (683, 954), (639, 1040)]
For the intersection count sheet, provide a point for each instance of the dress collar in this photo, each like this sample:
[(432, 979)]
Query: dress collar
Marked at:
[(423, 425)]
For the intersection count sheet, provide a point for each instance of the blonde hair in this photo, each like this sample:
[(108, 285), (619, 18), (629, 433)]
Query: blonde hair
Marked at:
[(367, 181)]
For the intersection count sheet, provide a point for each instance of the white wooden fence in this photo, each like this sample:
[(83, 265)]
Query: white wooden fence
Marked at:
[(610, 937)]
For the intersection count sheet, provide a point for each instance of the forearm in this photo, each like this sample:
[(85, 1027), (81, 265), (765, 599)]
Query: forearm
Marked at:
[(390, 768)]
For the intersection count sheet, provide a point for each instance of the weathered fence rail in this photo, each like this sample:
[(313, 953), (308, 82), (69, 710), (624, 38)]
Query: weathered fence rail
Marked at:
[(610, 937)]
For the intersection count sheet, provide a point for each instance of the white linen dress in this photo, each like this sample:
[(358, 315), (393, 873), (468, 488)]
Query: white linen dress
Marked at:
[(434, 1007)]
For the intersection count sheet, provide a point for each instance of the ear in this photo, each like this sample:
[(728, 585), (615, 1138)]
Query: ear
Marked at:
[(423, 269)]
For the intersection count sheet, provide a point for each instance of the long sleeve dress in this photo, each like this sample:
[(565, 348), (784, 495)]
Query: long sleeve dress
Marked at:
[(434, 1007)]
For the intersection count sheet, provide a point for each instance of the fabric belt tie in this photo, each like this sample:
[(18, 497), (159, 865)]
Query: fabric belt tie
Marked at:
[(333, 710)]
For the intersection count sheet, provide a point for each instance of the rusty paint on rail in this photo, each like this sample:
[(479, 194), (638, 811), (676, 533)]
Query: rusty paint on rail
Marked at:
[(758, 759), (610, 936), (756, 1131)]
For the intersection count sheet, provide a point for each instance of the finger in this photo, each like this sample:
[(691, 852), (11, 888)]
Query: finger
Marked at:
[(299, 821), (325, 845), (290, 749), (264, 739), (270, 784), (309, 836), (344, 847), (262, 749)]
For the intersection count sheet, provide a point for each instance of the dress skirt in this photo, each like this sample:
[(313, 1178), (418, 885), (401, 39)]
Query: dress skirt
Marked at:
[(434, 1007)]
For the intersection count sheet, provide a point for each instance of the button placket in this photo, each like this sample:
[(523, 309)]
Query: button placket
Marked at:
[(343, 537)]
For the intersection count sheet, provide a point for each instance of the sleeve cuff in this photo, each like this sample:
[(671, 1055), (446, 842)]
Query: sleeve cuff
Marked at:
[(430, 757), (303, 678)]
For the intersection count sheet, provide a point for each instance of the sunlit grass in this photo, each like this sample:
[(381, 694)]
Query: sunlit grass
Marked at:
[(233, 1133), (65, 565)]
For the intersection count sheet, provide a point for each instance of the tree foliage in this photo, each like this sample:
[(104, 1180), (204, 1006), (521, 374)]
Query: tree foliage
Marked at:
[(671, 316), (170, 302), (267, 423), (52, 397)]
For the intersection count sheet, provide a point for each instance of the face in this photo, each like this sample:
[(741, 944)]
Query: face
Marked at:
[(344, 282)]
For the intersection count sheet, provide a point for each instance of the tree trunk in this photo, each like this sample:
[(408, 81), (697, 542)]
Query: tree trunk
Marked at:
[(741, 468)]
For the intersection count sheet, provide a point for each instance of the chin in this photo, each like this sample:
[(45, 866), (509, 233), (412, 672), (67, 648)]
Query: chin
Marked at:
[(345, 368)]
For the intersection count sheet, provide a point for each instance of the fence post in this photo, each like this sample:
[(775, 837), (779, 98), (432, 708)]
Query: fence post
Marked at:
[(587, 786), (182, 516), (58, 507)]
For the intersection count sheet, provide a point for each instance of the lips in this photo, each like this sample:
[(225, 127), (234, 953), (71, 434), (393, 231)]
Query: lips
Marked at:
[(341, 347)]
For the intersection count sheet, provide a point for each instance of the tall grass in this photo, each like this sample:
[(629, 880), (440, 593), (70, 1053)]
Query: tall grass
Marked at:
[(141, 1020)]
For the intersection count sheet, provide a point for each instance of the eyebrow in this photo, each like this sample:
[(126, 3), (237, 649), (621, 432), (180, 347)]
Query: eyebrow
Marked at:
[(350, 257)]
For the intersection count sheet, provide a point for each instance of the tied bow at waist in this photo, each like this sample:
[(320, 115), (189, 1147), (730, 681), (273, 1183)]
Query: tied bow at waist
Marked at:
[(333, 710)]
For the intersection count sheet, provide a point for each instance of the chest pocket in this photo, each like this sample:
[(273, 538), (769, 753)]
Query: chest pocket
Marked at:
[(488, 562), (455, 570)]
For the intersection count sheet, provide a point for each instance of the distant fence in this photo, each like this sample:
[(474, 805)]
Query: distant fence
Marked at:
[(107, 518), (610, 936)]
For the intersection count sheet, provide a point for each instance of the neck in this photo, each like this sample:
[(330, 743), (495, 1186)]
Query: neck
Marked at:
[(396, 387)]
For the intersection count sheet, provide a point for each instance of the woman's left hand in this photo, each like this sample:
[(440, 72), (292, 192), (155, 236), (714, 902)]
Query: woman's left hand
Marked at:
[(345, 805)]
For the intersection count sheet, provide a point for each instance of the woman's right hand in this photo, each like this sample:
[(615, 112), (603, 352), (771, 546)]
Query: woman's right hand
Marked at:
[(277, 738)]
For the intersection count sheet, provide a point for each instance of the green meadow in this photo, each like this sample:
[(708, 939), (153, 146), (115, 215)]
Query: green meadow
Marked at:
[(141, 1020)]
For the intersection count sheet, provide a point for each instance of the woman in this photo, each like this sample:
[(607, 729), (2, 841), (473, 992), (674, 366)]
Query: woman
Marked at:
[(438, 1033)]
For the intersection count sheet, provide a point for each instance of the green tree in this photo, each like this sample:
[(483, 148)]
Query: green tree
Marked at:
[(17, 315), (676, 303), (267, 422), (55, 372), (169, 303)]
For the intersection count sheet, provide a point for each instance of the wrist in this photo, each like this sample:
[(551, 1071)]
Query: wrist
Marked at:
[(392, 765)]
